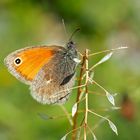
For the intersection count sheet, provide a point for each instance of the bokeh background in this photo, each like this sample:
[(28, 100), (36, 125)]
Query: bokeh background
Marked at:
[(104, 24)]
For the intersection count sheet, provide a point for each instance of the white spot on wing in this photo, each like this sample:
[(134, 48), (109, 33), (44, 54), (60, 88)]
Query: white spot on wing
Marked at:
[(49, 81)]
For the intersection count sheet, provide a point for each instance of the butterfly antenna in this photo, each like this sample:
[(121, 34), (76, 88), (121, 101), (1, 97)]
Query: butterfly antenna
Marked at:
[(64, 27), (77, 30)]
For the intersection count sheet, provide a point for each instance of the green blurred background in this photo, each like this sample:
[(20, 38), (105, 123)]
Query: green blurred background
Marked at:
[(104, 24)]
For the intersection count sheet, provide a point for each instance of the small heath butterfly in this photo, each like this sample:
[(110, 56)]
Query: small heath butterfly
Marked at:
[(49, 70)]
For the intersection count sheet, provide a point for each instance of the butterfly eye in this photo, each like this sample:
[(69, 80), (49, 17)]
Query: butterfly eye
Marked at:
[(18, 61)]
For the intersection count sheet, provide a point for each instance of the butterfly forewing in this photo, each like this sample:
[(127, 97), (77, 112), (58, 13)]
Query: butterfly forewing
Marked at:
[(32, 60)]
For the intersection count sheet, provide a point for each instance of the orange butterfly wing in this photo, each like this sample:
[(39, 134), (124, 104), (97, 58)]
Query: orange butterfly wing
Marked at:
[(32, 60)]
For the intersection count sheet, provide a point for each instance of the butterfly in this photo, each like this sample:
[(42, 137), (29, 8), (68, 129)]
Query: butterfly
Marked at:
[(48, 70)]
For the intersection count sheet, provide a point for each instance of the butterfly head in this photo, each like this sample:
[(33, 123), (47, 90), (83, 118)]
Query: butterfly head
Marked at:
[(71, 48), (71, 45)]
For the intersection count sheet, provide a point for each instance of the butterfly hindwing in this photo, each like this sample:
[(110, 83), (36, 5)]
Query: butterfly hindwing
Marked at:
[(54, 81)]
